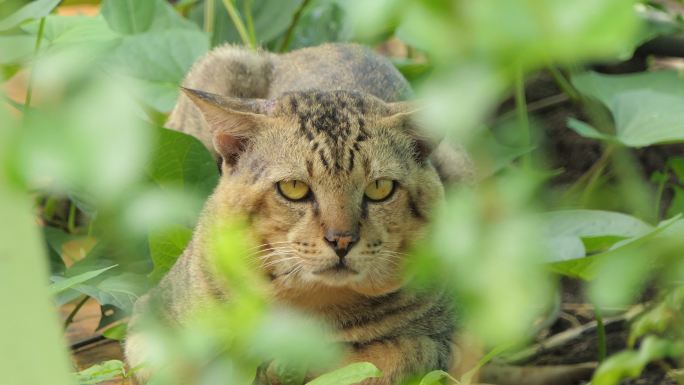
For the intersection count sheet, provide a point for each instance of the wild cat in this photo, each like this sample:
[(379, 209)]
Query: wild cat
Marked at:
[(322, 155)]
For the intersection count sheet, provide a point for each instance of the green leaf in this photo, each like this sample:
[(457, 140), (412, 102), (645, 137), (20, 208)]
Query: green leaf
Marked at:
[(677, 165), (73, 29), (585, 268), (117, 333), (105, 371), (350, 374), (435, 377), (165, 247), (271, 18), (159, 62), (130, 17), (629, 364), (677, 204), (587, 131), (646, 107), (568, 228), (182, 161), (61, 284), (119, 290), (33, 10), (323, 21)]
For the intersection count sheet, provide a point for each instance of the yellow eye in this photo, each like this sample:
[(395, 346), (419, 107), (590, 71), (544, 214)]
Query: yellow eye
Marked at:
[(294, 190), (379, 190)]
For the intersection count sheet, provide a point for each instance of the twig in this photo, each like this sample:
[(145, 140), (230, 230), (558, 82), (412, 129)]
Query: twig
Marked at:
[(565, 337), (73, 313), (237, 22), (289, 34), (601, 334), (88, 341)]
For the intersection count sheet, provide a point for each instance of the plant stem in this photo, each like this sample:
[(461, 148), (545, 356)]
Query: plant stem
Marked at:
[(601, 333), (289, 34), (659, 193), (595, 172), (564, 84), (73, 313), (71, 221), (247, 11), (209, 16), (29, 90), (523, 118), (49, 207), (237, 22)]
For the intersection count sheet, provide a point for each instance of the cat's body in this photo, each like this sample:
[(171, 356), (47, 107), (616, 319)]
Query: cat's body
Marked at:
[(323, 117)]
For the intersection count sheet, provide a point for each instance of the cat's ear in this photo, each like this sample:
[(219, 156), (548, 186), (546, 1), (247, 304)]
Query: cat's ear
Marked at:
[(404, 115), (232, 121)]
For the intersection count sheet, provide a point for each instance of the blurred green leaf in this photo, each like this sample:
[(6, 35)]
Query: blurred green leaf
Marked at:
[(666, 315), (646, 107), (16, 49), (74, 29), (29, 319), (348, 375), (165, 247), (33, 10), (61, 283), (131, 17), (629, 364), (105, 371)]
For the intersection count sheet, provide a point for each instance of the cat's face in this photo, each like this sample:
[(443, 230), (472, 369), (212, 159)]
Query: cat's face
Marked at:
[(335, 186)]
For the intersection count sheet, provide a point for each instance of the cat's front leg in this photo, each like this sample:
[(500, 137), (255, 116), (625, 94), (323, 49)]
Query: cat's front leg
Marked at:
[(401, 358)]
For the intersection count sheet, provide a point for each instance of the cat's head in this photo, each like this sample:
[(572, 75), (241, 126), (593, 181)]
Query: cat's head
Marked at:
[(336, 185)]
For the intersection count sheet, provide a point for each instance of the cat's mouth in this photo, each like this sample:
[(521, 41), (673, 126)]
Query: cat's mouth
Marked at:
[(340, 268)]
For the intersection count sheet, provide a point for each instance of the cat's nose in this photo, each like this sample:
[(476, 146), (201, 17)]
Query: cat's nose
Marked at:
[(341, 241)]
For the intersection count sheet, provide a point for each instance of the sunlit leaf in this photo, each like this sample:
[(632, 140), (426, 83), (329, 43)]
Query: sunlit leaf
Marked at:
[(348, 375), (108, 370)]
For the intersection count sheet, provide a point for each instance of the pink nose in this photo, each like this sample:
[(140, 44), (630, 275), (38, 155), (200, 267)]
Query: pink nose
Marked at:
[(341, 241)]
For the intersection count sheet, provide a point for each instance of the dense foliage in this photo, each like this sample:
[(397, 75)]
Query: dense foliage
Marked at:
[(84, 154)]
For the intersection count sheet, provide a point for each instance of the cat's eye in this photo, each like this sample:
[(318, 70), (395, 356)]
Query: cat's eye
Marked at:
[(379, 190), (294, 190)]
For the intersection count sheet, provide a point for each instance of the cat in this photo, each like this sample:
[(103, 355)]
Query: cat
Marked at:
[(321, 153)]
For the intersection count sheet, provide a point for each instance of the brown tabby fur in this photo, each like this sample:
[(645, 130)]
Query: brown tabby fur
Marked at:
[(331, 116)]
